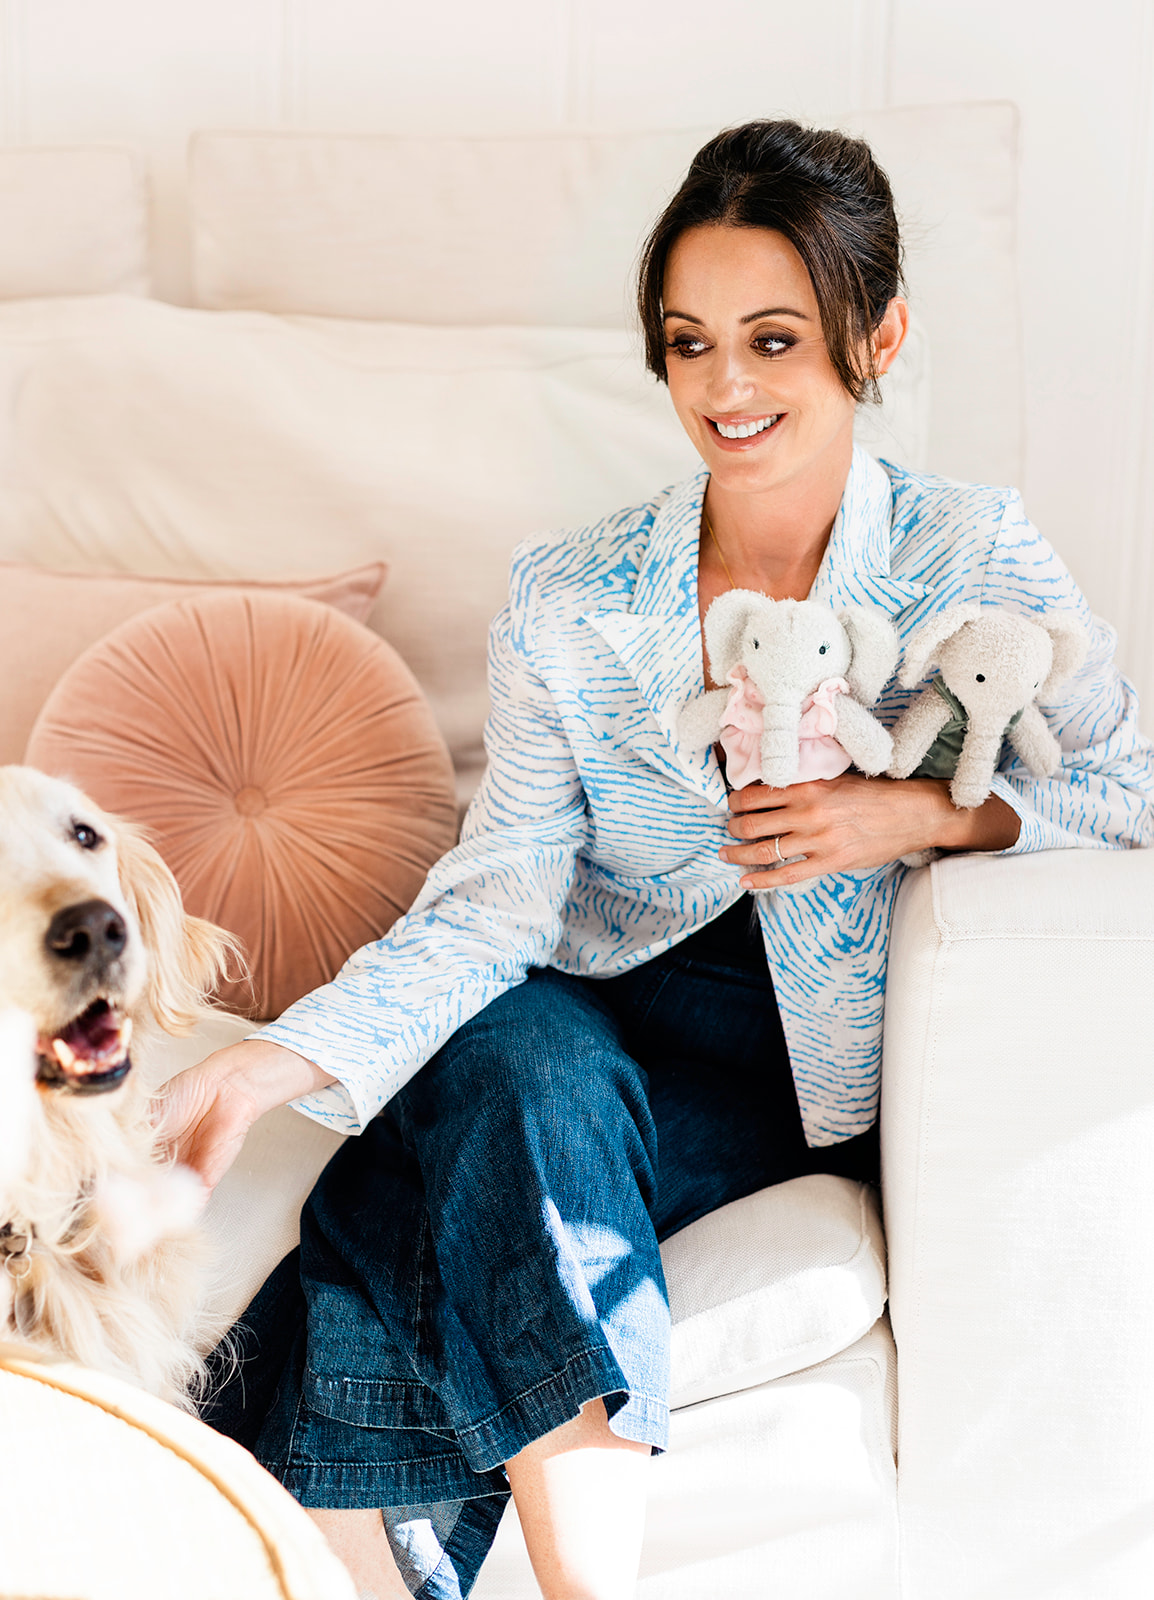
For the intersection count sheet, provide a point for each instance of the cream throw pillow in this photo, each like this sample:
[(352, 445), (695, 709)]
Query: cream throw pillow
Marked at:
[(51, 618)]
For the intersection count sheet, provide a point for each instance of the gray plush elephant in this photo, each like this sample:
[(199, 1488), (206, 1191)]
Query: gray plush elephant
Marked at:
[(993, 664), (801, 676)]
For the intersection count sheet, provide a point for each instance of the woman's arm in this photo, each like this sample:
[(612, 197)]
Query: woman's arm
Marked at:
[(206, 1112), (489, 910), (854, 824)]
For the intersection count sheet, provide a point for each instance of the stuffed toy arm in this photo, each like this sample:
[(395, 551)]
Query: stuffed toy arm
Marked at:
[(863, 738), (699, 722), (915, 731)]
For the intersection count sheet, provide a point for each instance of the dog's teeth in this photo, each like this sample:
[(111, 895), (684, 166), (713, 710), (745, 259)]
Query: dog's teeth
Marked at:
[(65, 1054)]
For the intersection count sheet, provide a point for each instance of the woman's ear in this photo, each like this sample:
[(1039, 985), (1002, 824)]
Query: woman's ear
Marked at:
[(874, 642), (724, 625), (186, 955), (1071, 643), (890, 334), (929, 638)]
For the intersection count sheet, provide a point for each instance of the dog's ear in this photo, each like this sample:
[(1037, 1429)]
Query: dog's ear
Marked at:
[(187, 956)]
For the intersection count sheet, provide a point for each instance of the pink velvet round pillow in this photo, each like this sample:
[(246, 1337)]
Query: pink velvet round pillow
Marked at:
[(284, 762)]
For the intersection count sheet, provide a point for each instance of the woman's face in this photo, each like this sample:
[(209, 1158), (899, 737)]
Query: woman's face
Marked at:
[(745, 355)]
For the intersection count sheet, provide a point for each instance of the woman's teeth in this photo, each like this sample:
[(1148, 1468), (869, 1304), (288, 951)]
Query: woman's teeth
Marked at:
[(744, 430)]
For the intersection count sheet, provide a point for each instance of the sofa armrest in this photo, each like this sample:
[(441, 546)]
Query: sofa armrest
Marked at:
[(1018, 1159)]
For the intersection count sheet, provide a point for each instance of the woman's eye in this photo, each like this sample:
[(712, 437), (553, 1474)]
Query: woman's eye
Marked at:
[(772, 344), (687, 347), (86, 837)]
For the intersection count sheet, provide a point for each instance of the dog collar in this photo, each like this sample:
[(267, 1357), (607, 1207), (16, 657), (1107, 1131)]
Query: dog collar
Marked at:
[(14, 1248)]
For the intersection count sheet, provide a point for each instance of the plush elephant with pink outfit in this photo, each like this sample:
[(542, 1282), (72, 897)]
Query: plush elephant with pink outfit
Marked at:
[(800, 677)]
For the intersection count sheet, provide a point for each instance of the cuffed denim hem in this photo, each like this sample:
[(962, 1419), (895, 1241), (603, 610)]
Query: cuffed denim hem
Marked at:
[(366, 1485), (343, 1465), (592, 1375)]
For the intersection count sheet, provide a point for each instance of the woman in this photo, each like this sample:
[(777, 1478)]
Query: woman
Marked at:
[(479, 1291)]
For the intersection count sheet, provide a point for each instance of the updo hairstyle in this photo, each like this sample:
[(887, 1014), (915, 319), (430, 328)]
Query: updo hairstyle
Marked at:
[(825, 192)]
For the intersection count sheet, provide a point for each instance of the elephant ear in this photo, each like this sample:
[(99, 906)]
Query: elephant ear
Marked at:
[(874, 642), (921, 652), (1071, 642), (724, 625)]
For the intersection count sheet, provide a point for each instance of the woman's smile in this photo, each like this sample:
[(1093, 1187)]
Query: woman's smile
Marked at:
[(744, 432)]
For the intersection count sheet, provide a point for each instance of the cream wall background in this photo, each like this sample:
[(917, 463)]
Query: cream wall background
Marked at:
[(150, 71)]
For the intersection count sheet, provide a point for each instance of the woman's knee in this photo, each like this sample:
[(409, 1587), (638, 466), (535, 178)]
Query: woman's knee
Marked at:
[(545, 1056)]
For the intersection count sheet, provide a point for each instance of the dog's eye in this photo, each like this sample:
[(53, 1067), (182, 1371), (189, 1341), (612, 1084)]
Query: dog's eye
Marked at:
[(822, 649), (86, 836), (756, 645), (981, 677)]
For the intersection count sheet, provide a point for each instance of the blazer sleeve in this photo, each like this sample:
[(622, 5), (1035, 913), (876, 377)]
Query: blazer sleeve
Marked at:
[(1103, 795), (489, 910)]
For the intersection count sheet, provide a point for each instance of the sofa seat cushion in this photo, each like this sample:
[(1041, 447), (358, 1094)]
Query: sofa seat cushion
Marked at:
[(770, 1284), (285, 763), (787, 1489), (773, 1283)]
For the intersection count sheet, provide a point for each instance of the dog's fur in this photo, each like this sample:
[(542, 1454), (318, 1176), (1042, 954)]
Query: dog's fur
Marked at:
[(110, 1277)]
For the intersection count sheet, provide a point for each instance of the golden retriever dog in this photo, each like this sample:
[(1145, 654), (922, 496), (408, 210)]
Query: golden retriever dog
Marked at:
[(98, 1247)]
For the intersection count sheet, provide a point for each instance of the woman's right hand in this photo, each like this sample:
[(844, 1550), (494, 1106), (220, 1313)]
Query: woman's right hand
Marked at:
[(205, 1112)]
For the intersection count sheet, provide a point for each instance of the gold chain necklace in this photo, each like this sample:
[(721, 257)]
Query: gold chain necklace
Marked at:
[(717, 547)]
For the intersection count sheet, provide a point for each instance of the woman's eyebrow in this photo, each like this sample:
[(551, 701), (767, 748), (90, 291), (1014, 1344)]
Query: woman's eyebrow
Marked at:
[(775, 311), (770, 311)]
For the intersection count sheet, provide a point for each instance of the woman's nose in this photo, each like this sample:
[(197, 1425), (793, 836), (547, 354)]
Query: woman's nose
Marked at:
[(730, 382)]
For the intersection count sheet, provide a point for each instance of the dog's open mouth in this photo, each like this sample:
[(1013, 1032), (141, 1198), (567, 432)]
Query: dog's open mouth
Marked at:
[(90, 1055)]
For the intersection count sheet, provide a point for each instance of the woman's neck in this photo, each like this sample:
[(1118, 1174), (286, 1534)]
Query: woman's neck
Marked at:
[(773, 541)]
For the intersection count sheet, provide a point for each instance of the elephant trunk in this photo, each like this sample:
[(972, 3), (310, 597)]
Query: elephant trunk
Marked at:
[(779, 742)]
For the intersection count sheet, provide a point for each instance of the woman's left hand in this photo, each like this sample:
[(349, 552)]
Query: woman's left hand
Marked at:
[(853, 824)]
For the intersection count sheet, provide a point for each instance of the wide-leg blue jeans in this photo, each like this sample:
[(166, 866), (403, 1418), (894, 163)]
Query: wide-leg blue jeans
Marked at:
[(484, 1259)]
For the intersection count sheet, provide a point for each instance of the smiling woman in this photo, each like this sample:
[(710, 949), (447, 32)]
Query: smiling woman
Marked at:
[(585, 1029)]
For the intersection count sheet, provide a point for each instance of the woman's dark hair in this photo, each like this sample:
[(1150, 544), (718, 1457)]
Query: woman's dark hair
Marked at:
[(825, 192)]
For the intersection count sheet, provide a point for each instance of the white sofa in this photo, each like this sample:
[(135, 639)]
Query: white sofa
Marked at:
[(1005, 1447)]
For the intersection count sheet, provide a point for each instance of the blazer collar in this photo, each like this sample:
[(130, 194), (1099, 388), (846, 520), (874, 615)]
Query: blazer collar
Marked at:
[(855, 569), (657, 636)]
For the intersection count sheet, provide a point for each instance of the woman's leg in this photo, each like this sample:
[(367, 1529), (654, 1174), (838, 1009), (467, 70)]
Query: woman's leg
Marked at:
[(538, 1101), (477, 1268), (580, 1496), (359, 1540)]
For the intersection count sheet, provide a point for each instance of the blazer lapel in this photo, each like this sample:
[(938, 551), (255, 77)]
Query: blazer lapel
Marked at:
[(855, 570), (657, 639)]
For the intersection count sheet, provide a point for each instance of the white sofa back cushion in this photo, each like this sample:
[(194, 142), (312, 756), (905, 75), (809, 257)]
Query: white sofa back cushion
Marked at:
[(539, 230), (147, 438), (73, 221), (546, 230)]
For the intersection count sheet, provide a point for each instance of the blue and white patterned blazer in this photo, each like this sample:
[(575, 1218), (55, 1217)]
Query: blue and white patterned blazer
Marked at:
[(592, 844)]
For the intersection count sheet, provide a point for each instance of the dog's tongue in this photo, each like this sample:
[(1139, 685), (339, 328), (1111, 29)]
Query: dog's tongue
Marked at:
[(96, 1040)]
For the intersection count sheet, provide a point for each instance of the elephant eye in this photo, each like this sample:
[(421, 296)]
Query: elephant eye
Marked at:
[(756, 646), (822, 649), (981, 677)]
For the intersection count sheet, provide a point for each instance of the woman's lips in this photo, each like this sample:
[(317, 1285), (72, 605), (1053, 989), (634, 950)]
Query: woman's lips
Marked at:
[(751, 441)]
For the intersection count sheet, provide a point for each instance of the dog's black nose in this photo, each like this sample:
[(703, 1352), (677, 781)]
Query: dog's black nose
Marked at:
[(92, 931)]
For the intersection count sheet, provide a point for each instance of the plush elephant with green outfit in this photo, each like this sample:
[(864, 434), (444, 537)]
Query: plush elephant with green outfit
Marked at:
[(993, 665), (801, 677)]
